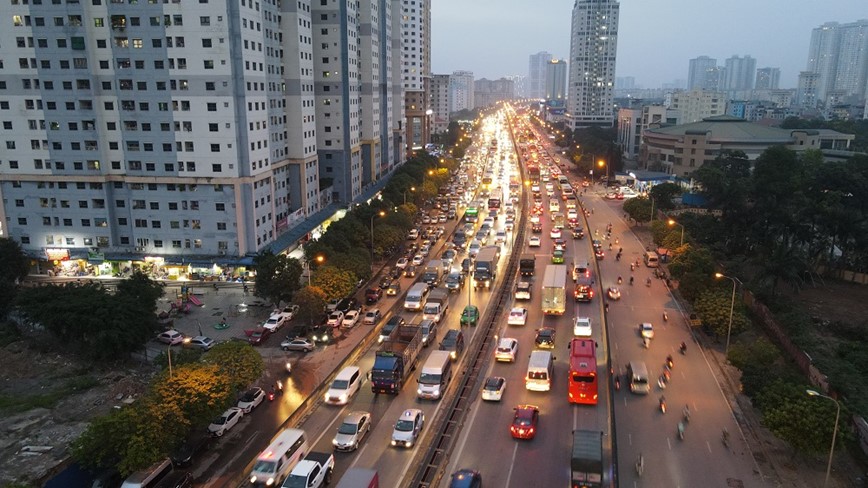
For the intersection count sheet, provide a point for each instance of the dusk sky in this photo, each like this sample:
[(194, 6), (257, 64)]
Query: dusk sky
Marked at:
[(656, 39)]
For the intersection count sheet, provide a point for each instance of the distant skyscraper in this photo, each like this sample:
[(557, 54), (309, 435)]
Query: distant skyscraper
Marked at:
[(806, 93), (740, 73), (698, 72), (768, 79), (536, 74), (520, 85), (838, 53), (593, 46), (460, 91), (556, 80), (488, 92), (416, 44), (440, 102), (625, 83)]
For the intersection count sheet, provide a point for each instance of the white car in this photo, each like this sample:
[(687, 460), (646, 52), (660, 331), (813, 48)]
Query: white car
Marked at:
[(251, 399), (534, 219), (225, 422), (647, 330), (506, 350), (555, 233), (336, 318), (290, 311), (534, 241), (275, 321), (352, 431), (517, 316), (408, 427), (572, 214), (372, 317), (500, 237), (402, 263), (582, 327), (171, 337), (199, 342), (351, 319), (418, 260), (492, 390)]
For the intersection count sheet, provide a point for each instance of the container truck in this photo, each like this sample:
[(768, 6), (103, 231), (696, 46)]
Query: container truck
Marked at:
[(485, 268), (395, 358), (586, 465), (554, 290)]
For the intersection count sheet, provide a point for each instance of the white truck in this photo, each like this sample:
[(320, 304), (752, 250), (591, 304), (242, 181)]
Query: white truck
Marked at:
[(314, 471), (436, 306), (554, 290)]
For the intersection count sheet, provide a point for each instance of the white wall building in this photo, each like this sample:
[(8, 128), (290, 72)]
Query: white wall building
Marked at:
[(593, 47)]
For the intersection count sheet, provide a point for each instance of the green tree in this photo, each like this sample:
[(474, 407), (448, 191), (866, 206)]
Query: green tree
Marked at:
[(805, 422), (311, 303), (89, 321), (784, 262), (639, 209), (663, 195), (198, 390), (713, 307), (238, 363), (278, 276), (140, 288), (760, 352), (356, 261), (387, 238), (14, 266), (334, 282)]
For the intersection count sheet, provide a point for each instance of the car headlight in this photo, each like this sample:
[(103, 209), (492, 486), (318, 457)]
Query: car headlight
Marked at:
[(343, 397), (335, 442), (394, 442), (419, 391), (452, 354), (253, 479), (269, 482)]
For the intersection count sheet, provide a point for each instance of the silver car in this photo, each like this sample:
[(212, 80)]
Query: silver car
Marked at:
[(352, 431)]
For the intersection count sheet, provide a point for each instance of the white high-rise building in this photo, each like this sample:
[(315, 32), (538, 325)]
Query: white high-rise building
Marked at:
[(440, 102), (460, 91), (188, 131), (838, 53), (416, 73), (556, 80), (740, 73), (593, 47), (536, 75), (768, 79), (696, 105), (698, 73)]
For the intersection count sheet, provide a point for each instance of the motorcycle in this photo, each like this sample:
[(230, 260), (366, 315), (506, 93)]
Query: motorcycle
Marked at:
[(683, 348), (681, 430), (619, 280), (663, 404), (271, 395), (669, 361), (288, 367), (632, 266), (648, 282), (686, 413), (665, 316)]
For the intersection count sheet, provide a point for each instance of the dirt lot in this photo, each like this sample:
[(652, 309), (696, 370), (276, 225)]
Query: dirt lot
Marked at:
[(46, 401), (835, 300)]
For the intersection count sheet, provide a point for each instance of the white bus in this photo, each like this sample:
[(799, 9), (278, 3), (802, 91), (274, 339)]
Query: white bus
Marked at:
[(277, 460)]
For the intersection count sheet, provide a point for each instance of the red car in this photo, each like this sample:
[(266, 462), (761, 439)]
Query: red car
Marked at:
[(524, 423), (257, 336)]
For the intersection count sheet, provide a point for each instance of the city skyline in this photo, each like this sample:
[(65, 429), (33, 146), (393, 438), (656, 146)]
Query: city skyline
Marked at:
[(650, 48)]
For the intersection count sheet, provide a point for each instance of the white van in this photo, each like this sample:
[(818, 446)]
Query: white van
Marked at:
[(638, 374), (435, 375), (148, 478), (539, 371), (415, 299), (651, 259), (344, 386), (277, 460)]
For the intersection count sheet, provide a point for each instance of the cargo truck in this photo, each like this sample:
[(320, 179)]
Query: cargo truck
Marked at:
[(527, 264), (395, 358), (554, 290), (436, 306), (359, 478), (586, 465), (485, 268)]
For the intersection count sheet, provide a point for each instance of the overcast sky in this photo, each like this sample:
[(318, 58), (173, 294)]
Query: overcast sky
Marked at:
[(656, 39)]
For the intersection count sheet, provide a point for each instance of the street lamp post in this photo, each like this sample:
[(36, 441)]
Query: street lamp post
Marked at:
[(412, 189), (834, 432), (731, 305), (381, 214), (319, 260), (672, 222)]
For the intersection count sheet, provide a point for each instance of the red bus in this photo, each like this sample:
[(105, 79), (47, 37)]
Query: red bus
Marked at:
[(583, 372)]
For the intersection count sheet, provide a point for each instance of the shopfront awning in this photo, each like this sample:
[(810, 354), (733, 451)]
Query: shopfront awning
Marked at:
[(290, 237)]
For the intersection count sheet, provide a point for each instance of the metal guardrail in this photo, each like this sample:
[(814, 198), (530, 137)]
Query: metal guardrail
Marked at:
[(436, 457)]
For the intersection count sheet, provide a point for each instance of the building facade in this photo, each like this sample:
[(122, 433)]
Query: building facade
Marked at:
[(440, 101), (488, 92), (739, 73), (460, 91), (632, 123), (536, 75), (808, 90), (838, 54), (698, 73), (556, 80), (416, 58), (188, 130), (768, 79), (593, 47), (696, 105)]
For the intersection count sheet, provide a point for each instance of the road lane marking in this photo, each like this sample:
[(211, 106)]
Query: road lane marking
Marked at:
[(511, 464), (358, 455)]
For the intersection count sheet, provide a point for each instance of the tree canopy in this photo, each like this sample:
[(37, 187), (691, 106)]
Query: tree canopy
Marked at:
[(277, 276)]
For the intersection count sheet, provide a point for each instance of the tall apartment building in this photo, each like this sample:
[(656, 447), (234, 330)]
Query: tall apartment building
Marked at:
[(189, 130), (807, 91), (488, 92), (768, 79), (440, 102), (698, 73), (536, 74), (460, 91), (593, 46), (520, 83), (556, 80), (696, 105), (838, 54), (739, 73), (416, 73)]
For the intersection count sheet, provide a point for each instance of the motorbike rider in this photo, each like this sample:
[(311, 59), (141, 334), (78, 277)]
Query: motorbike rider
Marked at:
[(683, 347), (631, 280), (619, 280), (669, 360)]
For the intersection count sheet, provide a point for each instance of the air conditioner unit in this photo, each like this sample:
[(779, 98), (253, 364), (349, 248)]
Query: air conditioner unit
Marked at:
[(140, 249)]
